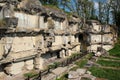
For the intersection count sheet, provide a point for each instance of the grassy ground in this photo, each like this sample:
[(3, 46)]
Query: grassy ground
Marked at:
[(111, 58), (109, 74), (115, 51), (79, 64), (83, 60), (113, 73), (108, 63)]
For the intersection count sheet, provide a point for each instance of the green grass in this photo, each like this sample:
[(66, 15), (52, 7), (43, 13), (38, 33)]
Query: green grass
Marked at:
[(84, 78), (64, 77), (54, 65), (74, 68), (83, 60), (74, 54), (88, 56), (109, 58), (81, 63), (109, 63), (115, 51), (105, 73), (30, 74)]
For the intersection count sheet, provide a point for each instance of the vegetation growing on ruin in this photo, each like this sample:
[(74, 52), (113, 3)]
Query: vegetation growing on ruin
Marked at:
[(52, 7), (81, 63), (74, 68), (84, 60), (30, 74), (50, 24), (64, 77), (54, 65), (2, 23)]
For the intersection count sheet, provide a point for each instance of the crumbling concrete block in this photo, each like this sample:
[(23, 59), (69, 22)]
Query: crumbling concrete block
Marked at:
[(29, 64), (62, 54), (81, 71), (73, 75), (59, 71), (38, 63), (14, 68)]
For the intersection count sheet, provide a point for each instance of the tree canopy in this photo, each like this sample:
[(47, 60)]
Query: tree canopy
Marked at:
[(107, 12)]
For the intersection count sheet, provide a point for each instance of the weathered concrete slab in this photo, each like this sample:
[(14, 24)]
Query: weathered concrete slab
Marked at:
[(49, 77), (89, 76), (59, 71), (73, 75), (29, 64), (14, 68), (81, 71)]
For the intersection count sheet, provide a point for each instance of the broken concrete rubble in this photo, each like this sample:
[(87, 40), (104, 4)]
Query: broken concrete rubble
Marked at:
[(80, 73)]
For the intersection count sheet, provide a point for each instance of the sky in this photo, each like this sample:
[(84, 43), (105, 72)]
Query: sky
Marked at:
[(96, 3)]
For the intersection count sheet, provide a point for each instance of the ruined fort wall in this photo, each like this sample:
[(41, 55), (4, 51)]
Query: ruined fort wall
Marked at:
[(26, 21)]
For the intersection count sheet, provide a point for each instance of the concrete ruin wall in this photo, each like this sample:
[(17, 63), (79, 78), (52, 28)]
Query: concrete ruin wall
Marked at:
[(29, 50), (95, 38), (100, 36), (26, 21), (96, 28)]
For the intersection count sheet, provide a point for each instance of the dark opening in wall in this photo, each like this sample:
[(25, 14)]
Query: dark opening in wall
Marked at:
[(0, 8), (80, 37)]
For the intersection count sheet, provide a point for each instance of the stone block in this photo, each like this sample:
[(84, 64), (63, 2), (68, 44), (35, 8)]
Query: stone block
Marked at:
[(2, 75), (81, 71), (38, 63), (49, 77), (98, 54), (73, 75), (29, 64), (14, 68), (88, 72), (59, 71)]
